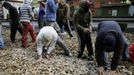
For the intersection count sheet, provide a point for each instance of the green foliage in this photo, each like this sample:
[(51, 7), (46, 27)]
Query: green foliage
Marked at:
[(35, 3)]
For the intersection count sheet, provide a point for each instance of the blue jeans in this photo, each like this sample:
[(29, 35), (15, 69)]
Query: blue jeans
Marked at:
[(62, 28), (125, 54)]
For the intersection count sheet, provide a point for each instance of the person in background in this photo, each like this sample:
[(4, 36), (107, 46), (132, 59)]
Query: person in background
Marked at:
[(46, 40), (41, 13), (14, 20), (109, 38), (72, 9), (63, 16), (59, 18), (125, 55), (82, 21), (25, 17), (1, 31), (50, 20), (131, 8)]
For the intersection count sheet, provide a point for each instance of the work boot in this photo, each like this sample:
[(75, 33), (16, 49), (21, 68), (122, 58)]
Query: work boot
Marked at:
[(80, 53), (126, 59)]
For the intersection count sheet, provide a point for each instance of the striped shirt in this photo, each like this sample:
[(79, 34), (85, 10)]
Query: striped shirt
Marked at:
[(25, 13)]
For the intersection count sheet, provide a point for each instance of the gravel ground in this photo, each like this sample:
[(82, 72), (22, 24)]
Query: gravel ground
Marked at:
[(15, 60)]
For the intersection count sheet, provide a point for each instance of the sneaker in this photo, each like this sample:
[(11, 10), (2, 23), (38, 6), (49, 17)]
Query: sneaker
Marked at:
[(64, 33), (71, 38), (68, 54)]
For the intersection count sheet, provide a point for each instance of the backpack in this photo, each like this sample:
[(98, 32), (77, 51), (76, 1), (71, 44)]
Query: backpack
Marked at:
[(131, 52)]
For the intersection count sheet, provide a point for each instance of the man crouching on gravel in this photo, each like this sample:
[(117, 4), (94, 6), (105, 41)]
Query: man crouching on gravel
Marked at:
[(46, 40), (110, 38)]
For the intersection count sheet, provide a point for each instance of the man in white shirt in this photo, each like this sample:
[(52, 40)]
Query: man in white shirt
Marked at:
[(46, 40)]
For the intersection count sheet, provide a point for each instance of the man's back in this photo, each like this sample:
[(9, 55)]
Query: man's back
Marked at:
[(44, 32), (105, 26), (50, 10), (45, 39), (13, 13)]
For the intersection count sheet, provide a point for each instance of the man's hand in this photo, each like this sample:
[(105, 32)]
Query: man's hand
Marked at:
[(62, 2), (86, 30), (100, 70), (20, 26), (111, 72), (90, 28)]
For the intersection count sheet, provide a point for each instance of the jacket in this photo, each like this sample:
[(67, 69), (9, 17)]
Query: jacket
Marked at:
[(46, 38), (50, 10), (13, 13), (63, 12), (82, 19), (25, 12)]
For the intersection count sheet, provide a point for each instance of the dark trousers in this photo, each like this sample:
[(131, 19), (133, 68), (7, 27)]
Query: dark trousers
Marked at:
[(60, 23), (67, 29), (40, 23), (14, 28), (84, 39)]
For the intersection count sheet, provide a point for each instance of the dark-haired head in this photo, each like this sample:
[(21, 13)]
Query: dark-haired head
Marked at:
[(42, 3), (109, 42), (6, 5)]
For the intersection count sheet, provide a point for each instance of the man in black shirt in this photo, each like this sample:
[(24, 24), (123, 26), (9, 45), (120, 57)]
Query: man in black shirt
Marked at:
[(109, 38), (14, 20)]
